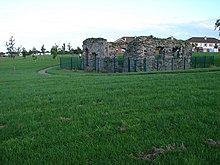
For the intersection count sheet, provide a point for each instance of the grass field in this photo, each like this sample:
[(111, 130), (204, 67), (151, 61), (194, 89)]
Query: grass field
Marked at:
[(89, 118)]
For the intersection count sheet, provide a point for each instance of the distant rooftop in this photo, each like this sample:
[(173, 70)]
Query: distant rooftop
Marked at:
[(204, 40)]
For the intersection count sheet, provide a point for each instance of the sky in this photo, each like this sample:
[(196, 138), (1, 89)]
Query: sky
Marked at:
[(33, 23)]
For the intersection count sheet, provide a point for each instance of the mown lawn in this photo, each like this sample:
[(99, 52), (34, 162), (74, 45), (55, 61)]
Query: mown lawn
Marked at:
[(89, 118)]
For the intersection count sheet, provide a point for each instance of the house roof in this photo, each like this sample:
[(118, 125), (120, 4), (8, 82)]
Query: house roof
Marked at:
[(204, 40)]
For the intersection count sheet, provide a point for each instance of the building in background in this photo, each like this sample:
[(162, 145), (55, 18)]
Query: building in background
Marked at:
[(205, 44)]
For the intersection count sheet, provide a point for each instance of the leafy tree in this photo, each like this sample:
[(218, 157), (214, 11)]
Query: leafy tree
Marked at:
[(217, 24), (18, 50), (34, 53), (24, 52), (62, 50), (69, 47), (11, 48), (58, 49), (79, 50), (54, 51), (43, 49), (64, 47), (76, 51), (72, 51), (30, 52)]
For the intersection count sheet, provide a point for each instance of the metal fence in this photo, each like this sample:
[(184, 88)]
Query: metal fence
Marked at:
[(136, 65), (202, 61), (71, 63)]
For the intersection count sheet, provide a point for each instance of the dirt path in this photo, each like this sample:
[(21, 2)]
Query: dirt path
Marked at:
[(44, 71)]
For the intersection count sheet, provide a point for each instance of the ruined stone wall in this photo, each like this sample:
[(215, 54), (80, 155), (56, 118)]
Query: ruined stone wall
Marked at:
[(160, 54), (99, 55), (143, 53), (93, 48)]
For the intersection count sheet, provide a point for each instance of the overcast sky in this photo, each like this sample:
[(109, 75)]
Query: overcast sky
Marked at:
[(38, 22)]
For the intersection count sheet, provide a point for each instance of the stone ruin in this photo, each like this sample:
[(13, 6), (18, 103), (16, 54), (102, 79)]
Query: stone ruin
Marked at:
[(160, 54), (99, 55), (143, 53)]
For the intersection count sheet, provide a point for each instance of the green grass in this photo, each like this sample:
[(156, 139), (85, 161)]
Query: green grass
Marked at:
[(79, 118)]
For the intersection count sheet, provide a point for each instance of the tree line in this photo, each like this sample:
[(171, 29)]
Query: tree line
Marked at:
[(55, 50)]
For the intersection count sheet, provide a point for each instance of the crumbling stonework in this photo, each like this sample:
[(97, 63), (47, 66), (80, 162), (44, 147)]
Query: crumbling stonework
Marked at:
[(145, 53), (159, 54), (99, 55)]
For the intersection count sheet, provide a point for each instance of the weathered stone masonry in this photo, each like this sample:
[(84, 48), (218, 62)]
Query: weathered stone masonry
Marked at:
[(98, 54), (149, 52), (162, 53)]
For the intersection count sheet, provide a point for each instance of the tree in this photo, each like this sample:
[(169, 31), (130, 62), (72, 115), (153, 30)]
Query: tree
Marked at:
[(30, 52), (54, 51), (72, 51), (64, 47), (217, 24), (12, 51), (79, 50), (18, 50), (62, 50), (10, 47), (43, 49), (24, 52), (69, 47), (34, 53)]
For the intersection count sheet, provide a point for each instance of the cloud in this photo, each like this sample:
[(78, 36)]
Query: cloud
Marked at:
[(206, 24), (68, 24)]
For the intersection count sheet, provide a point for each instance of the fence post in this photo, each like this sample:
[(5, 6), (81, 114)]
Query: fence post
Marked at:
[(97, 64), (135, 65), (81, 63), (172, 63), (145, 64), (184, 63), (71, 63), (157, 65), (78, 62), (74, 62), (61, 63), (129, 69), (213, 60), (114, 63), (195, 61)]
